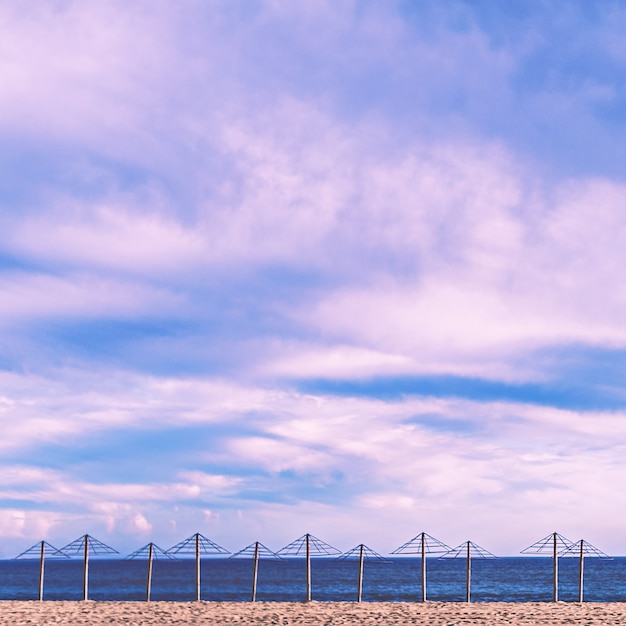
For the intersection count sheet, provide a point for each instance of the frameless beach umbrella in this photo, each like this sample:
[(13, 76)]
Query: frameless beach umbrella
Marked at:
[(150, 552), (468, 550), (308, 545), (581, 549), (362, 553), (88, 546), (255, 551), (40, 551), (197, 545), (553, 544), (423, 544)]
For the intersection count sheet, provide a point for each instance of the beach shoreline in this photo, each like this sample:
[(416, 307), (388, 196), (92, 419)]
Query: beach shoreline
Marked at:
[(50, 613)]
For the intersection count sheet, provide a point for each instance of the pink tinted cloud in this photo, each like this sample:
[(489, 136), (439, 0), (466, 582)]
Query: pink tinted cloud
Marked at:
[(31, 296), (109, 236), (407, 459)]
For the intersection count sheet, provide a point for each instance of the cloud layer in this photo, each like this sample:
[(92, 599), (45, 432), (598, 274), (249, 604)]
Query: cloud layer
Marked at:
[(350, 268)]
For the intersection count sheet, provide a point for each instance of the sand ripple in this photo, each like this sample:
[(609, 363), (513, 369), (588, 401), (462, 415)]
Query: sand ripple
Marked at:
[(314, 613)]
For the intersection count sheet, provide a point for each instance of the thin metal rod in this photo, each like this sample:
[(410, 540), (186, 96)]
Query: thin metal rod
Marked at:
[(581, 568), (149, 583), (423, 568), (468, 574), (361, 559), (555, 565), (256, 570), (197, 567), (86, 569), (41, 569), (308, 568)]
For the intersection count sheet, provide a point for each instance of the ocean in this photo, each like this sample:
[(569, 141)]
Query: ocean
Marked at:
[(507, 579)]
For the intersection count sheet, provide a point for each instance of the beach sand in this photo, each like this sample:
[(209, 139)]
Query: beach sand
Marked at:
[(429, 614)]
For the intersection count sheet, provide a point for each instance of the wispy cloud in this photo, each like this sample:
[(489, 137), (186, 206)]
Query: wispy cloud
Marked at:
[(353, 266), (207, 445)]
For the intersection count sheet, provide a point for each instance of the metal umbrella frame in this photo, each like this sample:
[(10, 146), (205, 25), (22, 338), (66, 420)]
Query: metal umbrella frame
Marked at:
[(150, 552), (423, 544), (256, 551), (308, 545), (468, 550), (197, 545), (87, 545), (362, 553), (582, 549), (554, 544), (39, 550)]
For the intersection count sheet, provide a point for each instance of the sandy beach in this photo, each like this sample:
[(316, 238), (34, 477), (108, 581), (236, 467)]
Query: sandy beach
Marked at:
[(429, 614)]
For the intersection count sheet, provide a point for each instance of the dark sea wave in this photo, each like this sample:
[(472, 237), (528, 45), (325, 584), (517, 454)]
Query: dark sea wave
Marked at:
[(510, 579)]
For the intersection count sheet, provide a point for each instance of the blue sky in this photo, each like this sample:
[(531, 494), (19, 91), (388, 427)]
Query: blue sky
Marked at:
[(348, 268)]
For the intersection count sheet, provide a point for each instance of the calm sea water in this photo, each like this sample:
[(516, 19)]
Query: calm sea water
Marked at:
[(515, 579)]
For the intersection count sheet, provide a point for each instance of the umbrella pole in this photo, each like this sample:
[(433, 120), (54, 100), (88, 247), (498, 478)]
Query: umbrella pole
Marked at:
[(149, 583), (555, 565), (360, 592), (41, 569), (308, 569), (86, 569), (581, 570), (197, 567), (423, 568), (468, 574), (256, 570)]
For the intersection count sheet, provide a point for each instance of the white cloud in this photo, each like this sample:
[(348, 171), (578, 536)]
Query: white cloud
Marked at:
[(181, 151), (389, 463), (100, 85), (128, 240), (499, 289), (302, 361), (27, 525), (118, 501), (32, 296)]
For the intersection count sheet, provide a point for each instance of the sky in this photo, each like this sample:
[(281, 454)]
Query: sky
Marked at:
[(352, 268)]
